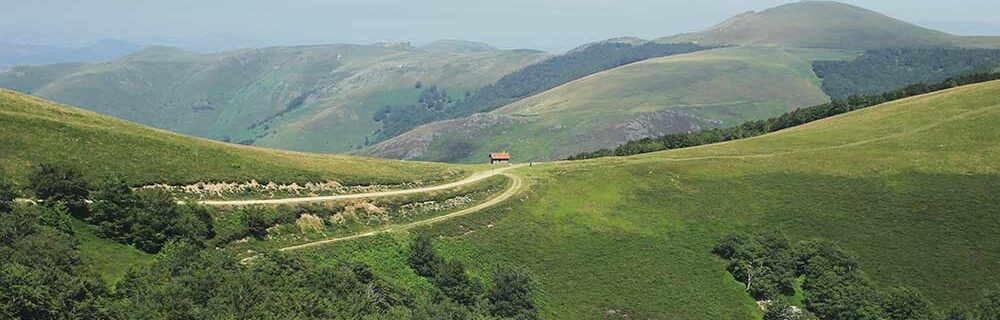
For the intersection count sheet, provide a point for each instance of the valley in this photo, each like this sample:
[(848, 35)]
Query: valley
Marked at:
[(814, 160)]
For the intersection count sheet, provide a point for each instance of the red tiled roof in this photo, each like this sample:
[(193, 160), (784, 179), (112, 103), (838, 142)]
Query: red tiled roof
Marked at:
[(500, 156)]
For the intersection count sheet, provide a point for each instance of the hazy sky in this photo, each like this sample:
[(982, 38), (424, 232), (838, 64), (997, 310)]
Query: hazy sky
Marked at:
[(552, 25)]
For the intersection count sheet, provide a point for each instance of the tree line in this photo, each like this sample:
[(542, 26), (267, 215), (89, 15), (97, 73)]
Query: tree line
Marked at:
[(434, 104), (787, 120), (881, 70), (771, 267), (45, 275)]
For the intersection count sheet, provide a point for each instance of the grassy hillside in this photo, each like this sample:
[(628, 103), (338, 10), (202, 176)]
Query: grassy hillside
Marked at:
[(707, 89), (288, 97), (824, 24), (908, 186), (533, 79), (882, 70), (111, 259), (33, 131)]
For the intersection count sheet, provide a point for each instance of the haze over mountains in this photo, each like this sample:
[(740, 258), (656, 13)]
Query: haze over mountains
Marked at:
[(16, 53), (327, 98), (769, 72), (316, 98)]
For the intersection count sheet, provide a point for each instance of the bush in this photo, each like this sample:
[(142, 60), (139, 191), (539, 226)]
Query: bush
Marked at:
[(907, 303), (112, 208), (422, 258), (8, 192), (510, 295), (989, 305), (152, 221), (450, 277), (250, 222), (55, 183), (764, 262), (147, 219), (42, 273), (781, 310)]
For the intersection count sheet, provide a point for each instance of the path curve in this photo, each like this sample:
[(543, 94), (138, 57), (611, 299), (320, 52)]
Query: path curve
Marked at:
[(515, 185), (479, 176)]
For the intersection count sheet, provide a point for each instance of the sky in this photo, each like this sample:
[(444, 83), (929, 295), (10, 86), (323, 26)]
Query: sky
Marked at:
[(551, 25)]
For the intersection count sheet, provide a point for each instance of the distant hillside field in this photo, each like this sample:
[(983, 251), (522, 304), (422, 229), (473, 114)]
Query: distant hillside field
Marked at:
[(882, 70), (308, 98), (907, 186), (525, 82), (825, 24), (13, 54), (707, 89), (34, 131)]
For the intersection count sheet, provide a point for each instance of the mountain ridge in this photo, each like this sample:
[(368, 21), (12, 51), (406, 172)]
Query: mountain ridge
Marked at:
[(824, 24)]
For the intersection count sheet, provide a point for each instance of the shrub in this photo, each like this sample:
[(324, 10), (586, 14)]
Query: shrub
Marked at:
[(55, 183), (245, 222), (8, 192), (907, 303), (781, 310), (510, 295), (989, 305), (422, 258), (152, 220), (112, 208), (42, 273), (450, 277)]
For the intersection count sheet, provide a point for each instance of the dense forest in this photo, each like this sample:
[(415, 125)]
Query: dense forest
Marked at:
[(834, 287), (523, 83), (881, 70), (45, 275), (787, 120)]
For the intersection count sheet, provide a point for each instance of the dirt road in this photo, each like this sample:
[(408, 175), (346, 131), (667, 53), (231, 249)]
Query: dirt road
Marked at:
[(471, 179), (510, 192)]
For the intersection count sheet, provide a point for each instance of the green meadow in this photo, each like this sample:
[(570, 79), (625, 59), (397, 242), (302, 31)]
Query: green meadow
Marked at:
[(909, 187), (34, 131)]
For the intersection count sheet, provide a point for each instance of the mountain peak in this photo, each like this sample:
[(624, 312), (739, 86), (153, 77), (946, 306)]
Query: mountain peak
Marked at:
[(816, 24)]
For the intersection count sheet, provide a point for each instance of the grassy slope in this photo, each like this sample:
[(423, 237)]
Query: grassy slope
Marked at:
[(720, 87), (908, 186), (111, 259), (34, 130), (821, 24), (231, 94), (348, 115)]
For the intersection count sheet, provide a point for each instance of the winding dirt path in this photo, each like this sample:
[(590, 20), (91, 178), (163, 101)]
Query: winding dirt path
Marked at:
[(471, 179), (515, 185)]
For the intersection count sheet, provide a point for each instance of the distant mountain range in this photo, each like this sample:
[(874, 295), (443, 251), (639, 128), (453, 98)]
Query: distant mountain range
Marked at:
[(12, 54), (456, 100), (766, 69), (316, 98)]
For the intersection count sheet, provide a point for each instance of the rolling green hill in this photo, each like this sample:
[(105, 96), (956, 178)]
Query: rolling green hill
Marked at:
[(908, 186), (34, 131), (706, 89), (289, 97), (824, 24), (767, 70)]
